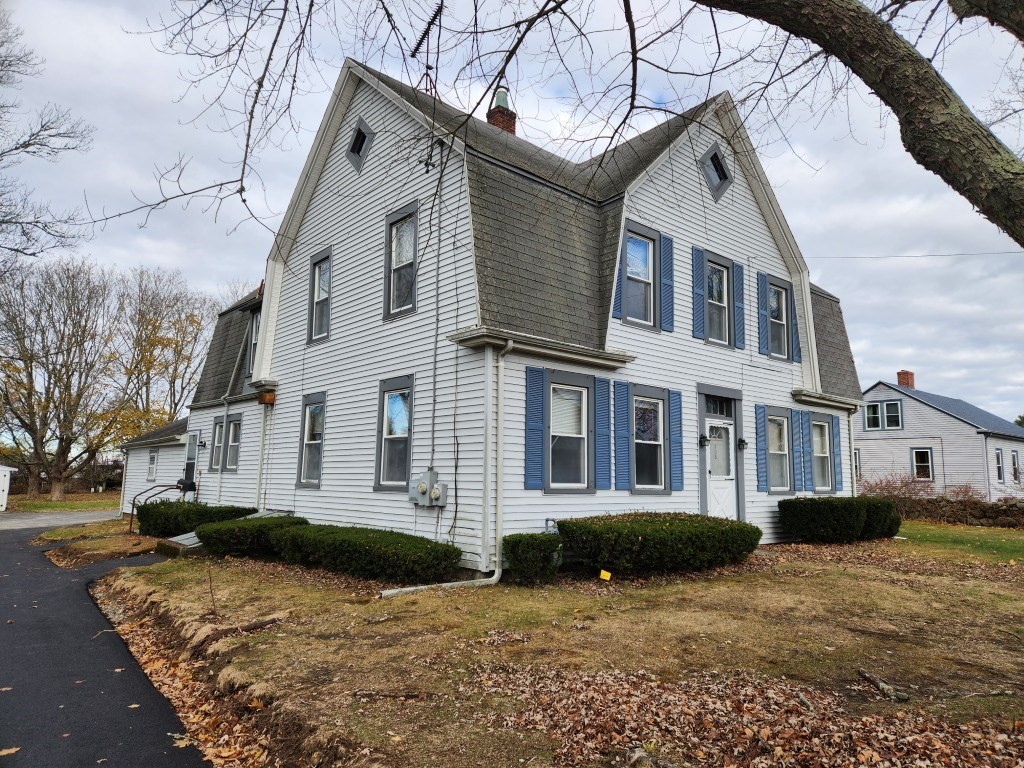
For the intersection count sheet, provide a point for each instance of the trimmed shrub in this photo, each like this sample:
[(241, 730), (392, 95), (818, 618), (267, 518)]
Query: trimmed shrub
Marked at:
[(172, 518), (244, 538), (881, 521), (368, 553), (646, 543), (824, 519), (533, 558)]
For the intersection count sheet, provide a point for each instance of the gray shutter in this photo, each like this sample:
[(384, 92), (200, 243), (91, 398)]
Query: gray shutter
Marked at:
[(808, 451), (623, 436), (762, 313), (739, 313), (699, 292), (619, 277), (666, 265), (761, 425), (603, 434), (796, 440), (837, 454), (536, 413), (675, 439)]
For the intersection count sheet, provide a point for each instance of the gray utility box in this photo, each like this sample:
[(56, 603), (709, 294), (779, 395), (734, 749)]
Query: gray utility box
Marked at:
[(426, 491)]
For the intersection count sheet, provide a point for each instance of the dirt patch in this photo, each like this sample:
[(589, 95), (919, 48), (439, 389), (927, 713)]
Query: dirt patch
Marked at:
[(116, 527), (85, 551)]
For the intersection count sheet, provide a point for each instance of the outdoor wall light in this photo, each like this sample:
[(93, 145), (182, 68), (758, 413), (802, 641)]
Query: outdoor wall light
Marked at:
[(741, 444), (201, 444), (703, 441)]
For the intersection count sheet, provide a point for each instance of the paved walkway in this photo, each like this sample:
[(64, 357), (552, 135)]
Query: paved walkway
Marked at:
[(61, 700), (10, 521)]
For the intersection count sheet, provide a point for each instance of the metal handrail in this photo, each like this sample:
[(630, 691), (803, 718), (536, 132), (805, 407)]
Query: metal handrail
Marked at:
[(159, 490)]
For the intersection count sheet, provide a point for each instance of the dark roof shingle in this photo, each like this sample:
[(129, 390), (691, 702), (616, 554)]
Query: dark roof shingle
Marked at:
[(835, 358), (229, 340), (164, 434)]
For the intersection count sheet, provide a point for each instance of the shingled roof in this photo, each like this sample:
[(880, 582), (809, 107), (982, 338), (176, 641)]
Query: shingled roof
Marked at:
[(835, 358), (961, 409), (169, 433), (230, 336)]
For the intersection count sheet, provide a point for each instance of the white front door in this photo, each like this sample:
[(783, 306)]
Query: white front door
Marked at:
[(719, 460)]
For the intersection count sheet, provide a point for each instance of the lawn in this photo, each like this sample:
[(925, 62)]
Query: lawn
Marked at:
[(92, 542), (573, 672), (74, 502)]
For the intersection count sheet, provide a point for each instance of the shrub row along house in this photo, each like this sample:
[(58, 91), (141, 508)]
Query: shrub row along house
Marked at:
[(462, 333), (939, 441)]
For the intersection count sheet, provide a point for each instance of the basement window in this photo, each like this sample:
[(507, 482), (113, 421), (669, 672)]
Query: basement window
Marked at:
[(359, 144), (716, 172)]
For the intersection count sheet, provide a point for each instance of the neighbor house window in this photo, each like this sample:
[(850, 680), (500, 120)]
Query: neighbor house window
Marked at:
[(320, 298), (151, 469), (856, 463), (217, 451), (873, 416), (400, 280), (568, 434), (718, 300), (883, 415), (1015, 466), (778, 453), (778, 331), (639, 291), (359, 144), (234, 440), (893, 415), (821, 445), (254, 335), (394, 448), (1000, 477), (648, 444), (922, 458), (311, 448), (716, 172)]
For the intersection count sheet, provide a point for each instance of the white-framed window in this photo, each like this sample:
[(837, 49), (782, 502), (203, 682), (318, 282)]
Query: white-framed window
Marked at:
[(320, 300), (716, 172), (154, 453), (234, 441), (1015, 466), (359, 144), (778, 454), (394, 461), (886, 414), (254, 336), (872, 416), (718, 303), (568, 454), (821, 445), (1000, 475), (191, 456), (778, 330), (648, 444), (923, 468), (856, 463), (638, 298), (217, 451), (312, 449), (402, 239), (894, 415)]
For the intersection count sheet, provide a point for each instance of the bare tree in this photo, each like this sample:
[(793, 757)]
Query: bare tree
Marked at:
[(29, 226), (233, 291), (775, 54)]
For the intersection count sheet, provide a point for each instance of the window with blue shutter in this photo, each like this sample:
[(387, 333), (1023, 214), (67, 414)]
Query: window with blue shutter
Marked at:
[(739, 311), (794, 331), (796, 431), (602, 434), (699, 292), (837, 455), (623, 435), (644, 292), (808, 451), (761, 443), (762, 313), (667, 305), (536, 407), (675, 437)]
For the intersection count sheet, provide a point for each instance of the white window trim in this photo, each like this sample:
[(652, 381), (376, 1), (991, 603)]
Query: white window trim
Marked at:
[(828, 454), (885, 414), (660, 442), (306, 421), (1015, 466), (584, 411), (154, 457), (319, 297), (786, 453), (384, 436), (254, 335), (856, 463), (784, 305), (867, 407), (391, 263), (650, 282), (931, 465), (217, 451), (1000, 470), (726, 296), (234, 440)]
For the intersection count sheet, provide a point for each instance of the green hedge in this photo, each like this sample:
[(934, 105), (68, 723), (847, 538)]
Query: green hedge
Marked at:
[(368, 553), (244, 538), (648, 543), (172, 518), (533, 558), (837, 519)]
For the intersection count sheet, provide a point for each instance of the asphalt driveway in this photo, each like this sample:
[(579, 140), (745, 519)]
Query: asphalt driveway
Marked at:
[(61, 700)]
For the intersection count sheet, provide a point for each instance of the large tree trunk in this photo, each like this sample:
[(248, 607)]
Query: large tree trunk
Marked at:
[(34, 482), (938, 129), (57, 489)]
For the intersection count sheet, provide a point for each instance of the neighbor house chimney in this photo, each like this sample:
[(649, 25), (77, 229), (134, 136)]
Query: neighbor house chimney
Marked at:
[(499, 114), (905, 379)]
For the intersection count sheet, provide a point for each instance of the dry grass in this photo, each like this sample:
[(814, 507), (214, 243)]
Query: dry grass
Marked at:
[(73, 502), (85, 551), (402, 676), (114, 527)]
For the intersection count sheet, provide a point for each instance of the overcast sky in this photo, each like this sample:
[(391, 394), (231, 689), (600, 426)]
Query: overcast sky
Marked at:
[(958, 322)]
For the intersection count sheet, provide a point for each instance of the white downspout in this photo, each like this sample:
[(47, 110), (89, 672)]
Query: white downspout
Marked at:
[(485, 506), (853, 453), (259, 456), (498, 496)]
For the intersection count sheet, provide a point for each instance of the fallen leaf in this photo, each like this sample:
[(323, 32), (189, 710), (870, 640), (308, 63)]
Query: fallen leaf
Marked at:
[(133, 706), (4, 690), (9, 751)]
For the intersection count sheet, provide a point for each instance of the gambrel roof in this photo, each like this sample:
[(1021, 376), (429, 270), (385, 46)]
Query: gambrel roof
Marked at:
[(835, 358), (168, 434), (221, 376), (959, 409)]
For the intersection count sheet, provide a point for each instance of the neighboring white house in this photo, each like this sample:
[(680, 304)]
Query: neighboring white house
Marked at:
[(937, 440), (538, 339), (157, 458)]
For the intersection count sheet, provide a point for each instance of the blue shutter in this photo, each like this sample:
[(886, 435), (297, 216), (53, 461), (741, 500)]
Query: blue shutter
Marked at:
[(796, 440), (762, 313), (623, 427), (794, 331), (675, 439), (668, 285), (602, 434), (761, 428), (536, 416), (617, 297), (808, 452), (739, 306), (699, 290), (837, 454)]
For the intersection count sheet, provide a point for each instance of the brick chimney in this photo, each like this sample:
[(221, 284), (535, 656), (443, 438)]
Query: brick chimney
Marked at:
[(499, 114), (905, 379)]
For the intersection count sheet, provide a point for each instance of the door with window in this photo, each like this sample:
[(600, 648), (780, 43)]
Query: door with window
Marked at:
[(720, 453)]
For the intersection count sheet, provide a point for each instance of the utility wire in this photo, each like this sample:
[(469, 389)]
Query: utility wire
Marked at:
[(923, 255)]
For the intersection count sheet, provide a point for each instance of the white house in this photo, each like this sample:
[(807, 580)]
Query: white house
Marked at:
[(157, 458), (530, 338), (937, 440)]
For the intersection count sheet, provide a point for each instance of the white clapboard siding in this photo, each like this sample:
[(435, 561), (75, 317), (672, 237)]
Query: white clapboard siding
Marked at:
[(170, 466), (233, 487), (347, 213), (1009, 486)]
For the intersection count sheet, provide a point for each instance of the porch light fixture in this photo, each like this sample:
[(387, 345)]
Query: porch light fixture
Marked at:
[(703, 441), (741, 444)]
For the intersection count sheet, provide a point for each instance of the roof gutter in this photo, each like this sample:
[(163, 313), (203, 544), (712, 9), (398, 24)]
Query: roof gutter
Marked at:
[(809, 397), (478, 337)]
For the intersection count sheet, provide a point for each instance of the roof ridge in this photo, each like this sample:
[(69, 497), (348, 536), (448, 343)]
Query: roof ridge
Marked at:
[(999, 425)]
